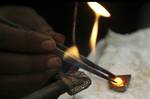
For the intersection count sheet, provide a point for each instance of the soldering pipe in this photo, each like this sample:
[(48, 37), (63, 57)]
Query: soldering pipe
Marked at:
[(52, 91)]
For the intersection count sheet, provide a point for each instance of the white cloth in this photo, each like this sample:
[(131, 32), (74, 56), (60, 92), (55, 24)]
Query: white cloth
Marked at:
[(121, 54)]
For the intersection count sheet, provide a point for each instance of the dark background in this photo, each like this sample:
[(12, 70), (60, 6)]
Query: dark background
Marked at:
[(124, 19)]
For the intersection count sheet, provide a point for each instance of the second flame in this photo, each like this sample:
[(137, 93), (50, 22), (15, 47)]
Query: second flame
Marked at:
[(99, 11)]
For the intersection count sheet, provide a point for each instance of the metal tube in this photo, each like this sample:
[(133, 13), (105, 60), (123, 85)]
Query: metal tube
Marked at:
[(52, 91)]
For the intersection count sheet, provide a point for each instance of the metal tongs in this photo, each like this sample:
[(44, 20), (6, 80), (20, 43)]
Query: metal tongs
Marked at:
[(84, 63)]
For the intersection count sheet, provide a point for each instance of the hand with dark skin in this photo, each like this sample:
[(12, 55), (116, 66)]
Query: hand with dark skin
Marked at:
[(27, 60)]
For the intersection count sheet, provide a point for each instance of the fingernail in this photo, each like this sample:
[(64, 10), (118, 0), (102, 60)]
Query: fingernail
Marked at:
[(48, 44), (54, 62)]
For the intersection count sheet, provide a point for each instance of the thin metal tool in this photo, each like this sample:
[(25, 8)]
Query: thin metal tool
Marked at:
[(85, 60), (60, 50), (74, 22)]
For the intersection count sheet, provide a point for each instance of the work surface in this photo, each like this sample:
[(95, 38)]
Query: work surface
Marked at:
[(121, 54)]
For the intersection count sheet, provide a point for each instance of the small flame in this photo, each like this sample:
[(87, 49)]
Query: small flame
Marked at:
[(72, 51), (99, 11), (118, 82)]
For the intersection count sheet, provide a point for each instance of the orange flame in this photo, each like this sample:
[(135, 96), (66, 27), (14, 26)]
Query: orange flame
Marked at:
[(72, 51), (118, 82), (99, 11), (94, 34)]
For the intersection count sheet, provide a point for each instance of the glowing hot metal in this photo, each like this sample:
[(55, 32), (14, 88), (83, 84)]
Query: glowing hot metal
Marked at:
[(122, 82), (118, 82)]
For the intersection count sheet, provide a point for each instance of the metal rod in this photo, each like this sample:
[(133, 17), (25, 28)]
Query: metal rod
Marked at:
[(96, 66), (8, 22), (74, 22), (52, 91), (78, 63), (85, 60)]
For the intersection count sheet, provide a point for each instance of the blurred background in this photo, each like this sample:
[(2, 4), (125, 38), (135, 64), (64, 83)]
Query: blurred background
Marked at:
[(126, 17)]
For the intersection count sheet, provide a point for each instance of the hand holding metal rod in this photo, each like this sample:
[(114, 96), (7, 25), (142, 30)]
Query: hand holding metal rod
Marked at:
[(81, 63)]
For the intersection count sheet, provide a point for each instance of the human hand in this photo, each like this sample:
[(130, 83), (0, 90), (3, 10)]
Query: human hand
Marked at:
[(26, 58)]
